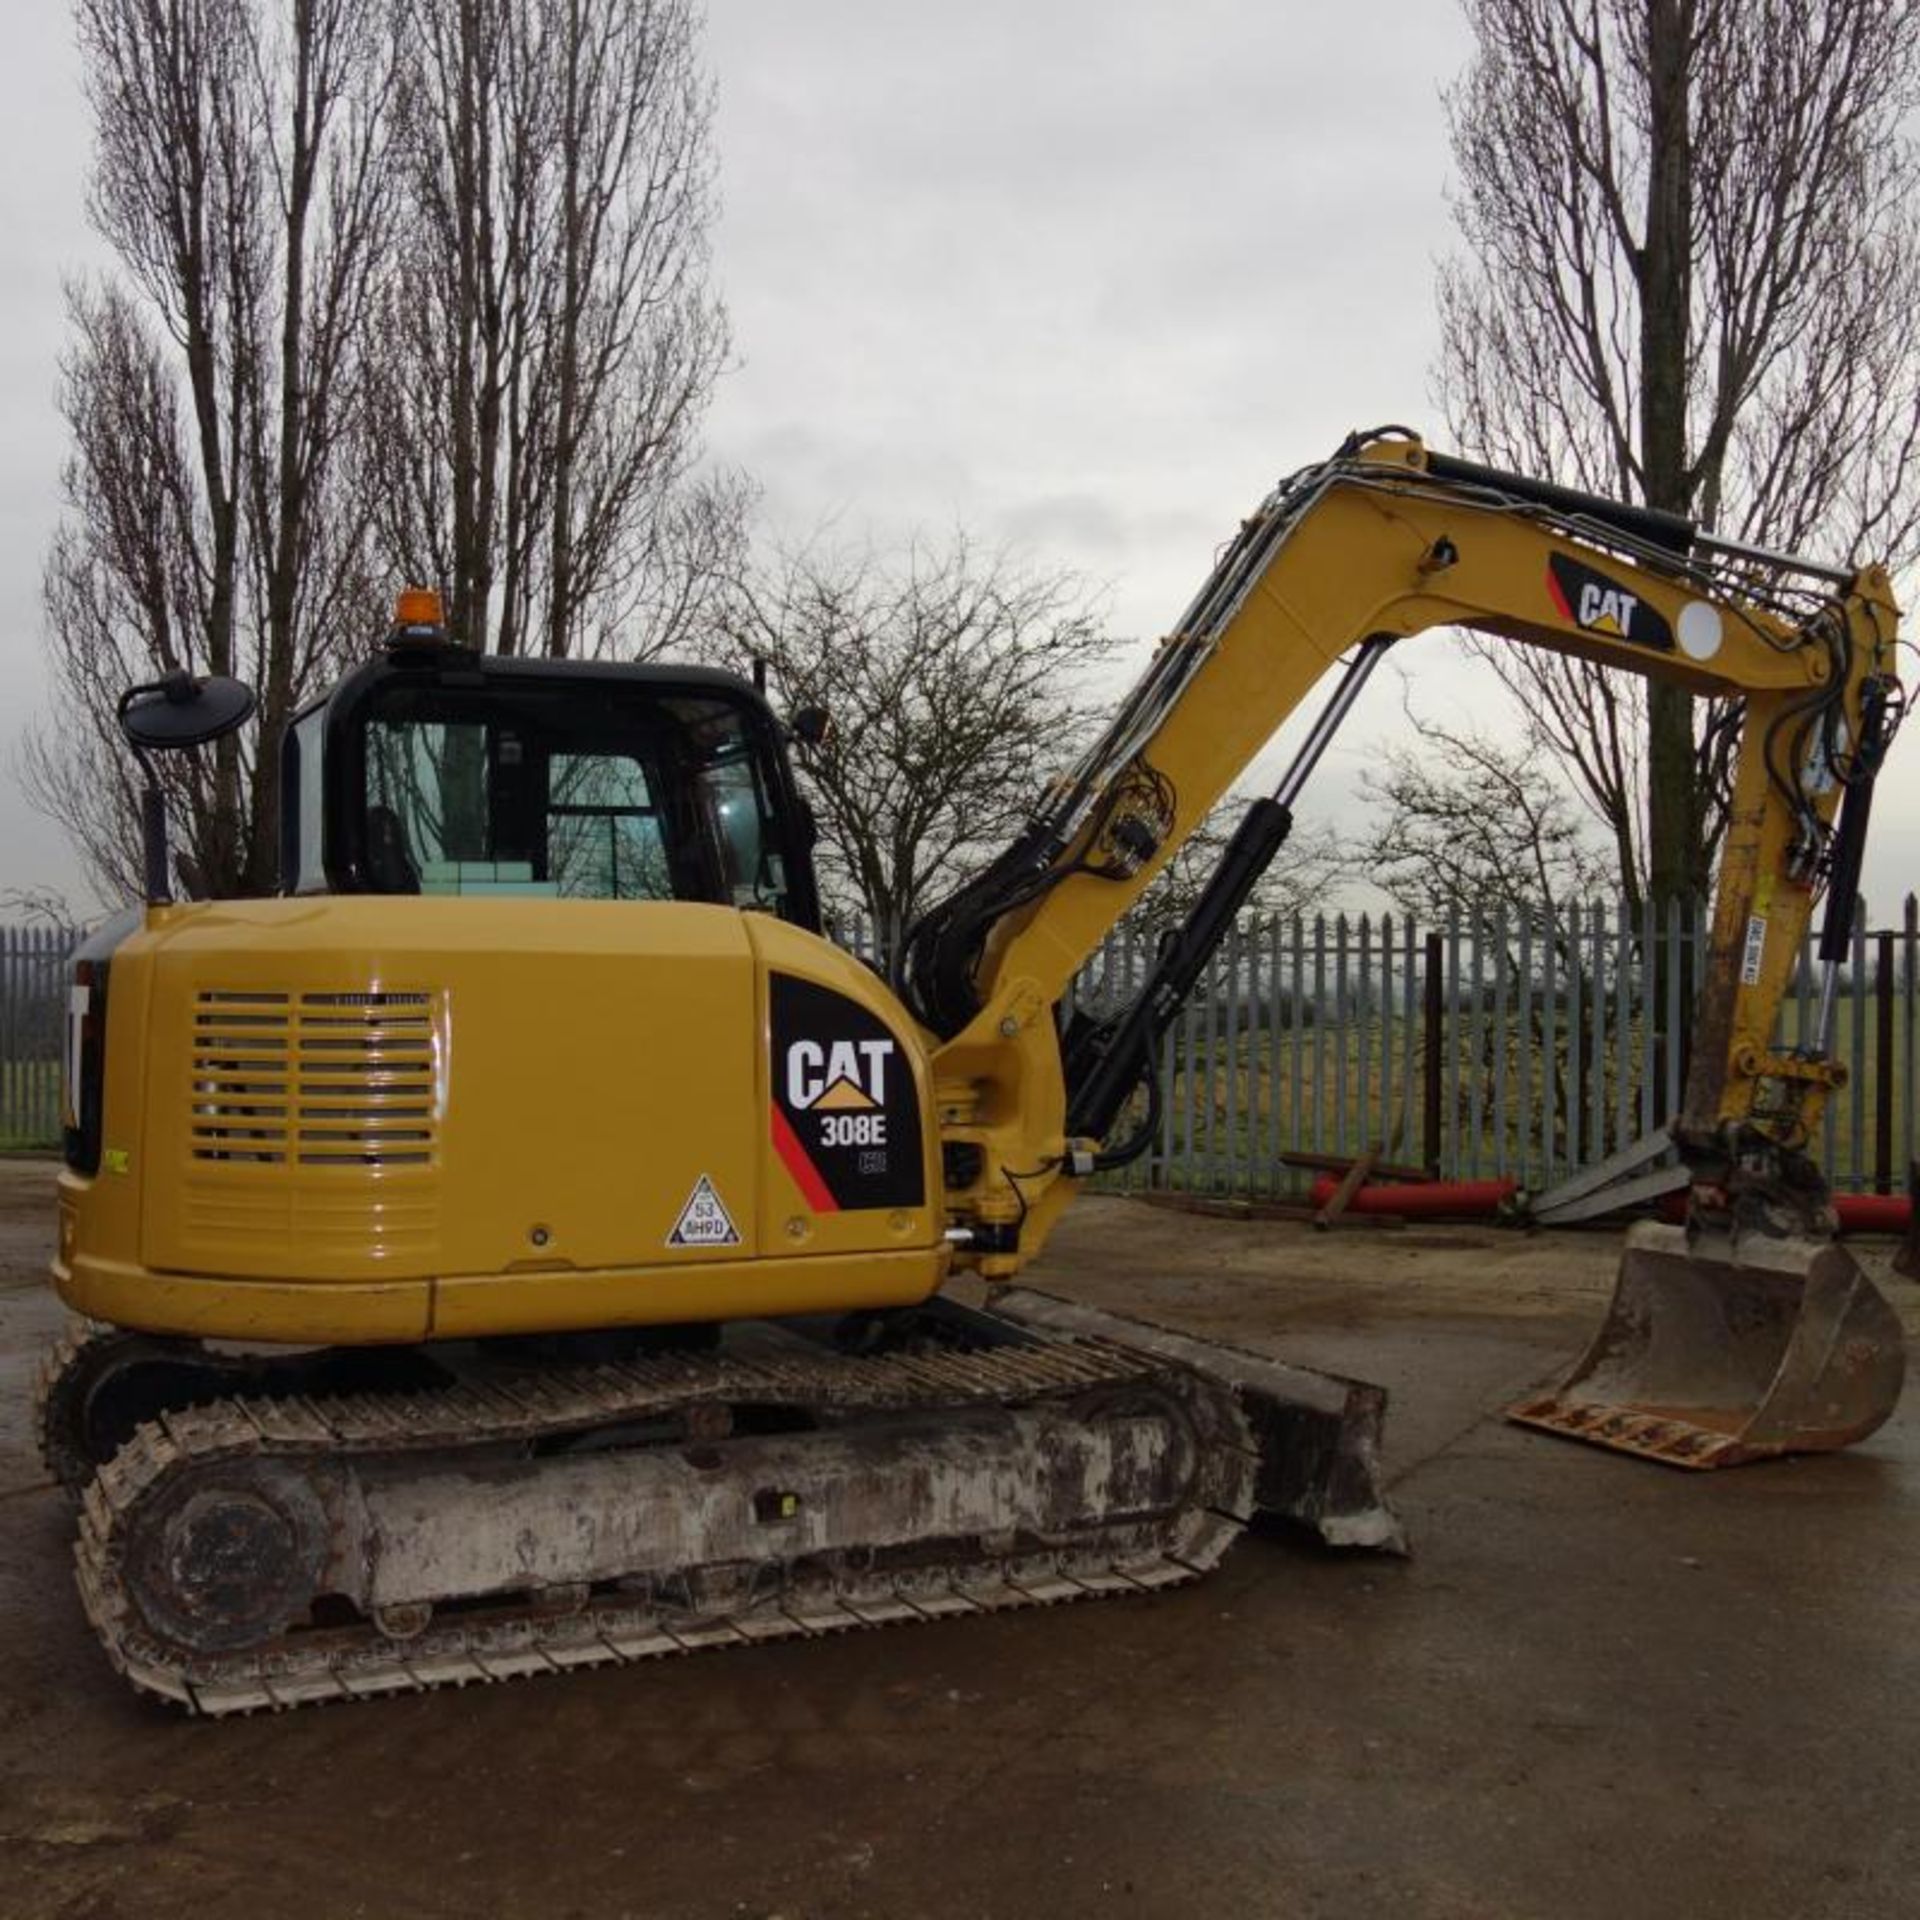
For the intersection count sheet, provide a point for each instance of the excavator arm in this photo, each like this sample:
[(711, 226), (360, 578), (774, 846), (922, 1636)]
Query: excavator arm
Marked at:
[(1342, 561)]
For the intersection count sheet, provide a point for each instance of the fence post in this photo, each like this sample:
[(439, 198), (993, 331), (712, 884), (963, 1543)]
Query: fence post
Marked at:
[(1550, 1076), (1296, 1122), (1857, 1067), (11, 973), (1910, 996), (1468, 1165), (1883, 1064), (1576, 1036), (1454, 1095), (1275, 1005), (1430, 1111), (1390, 1125), (1497, 1029), (1679, 967), (1342, 1025), (1320, 1033), (1597, 1058), (1364, 1127)]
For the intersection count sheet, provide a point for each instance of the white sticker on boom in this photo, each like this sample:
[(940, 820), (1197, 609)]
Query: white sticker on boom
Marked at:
[(1756, 950), (1699, 630), (704, 1221)]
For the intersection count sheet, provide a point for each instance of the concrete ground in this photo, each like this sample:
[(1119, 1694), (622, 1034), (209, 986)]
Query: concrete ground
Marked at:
[(1598, 1688)]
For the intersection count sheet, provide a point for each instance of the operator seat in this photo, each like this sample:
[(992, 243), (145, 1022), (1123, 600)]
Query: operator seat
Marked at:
[(390, 864)]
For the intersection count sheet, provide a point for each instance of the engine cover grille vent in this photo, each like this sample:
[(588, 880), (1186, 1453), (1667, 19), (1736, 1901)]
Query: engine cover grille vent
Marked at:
[(316, 1079)]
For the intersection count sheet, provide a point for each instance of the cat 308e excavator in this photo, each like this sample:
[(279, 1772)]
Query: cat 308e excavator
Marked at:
[(521, 1243)]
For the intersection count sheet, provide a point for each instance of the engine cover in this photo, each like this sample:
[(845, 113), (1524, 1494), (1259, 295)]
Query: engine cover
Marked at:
[(357, 1118)]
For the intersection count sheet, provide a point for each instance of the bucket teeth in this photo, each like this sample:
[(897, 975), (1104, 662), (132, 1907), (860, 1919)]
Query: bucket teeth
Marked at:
[(1653, 1437)]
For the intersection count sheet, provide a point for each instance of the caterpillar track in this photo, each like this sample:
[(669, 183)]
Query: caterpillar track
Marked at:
[(272, 1551)]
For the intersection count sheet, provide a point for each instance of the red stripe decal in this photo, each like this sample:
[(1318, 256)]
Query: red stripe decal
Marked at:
[(806, 1176), (1559, 594)]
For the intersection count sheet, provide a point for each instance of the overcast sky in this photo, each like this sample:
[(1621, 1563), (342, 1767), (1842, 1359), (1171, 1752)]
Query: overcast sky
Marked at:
[(1085, 276)]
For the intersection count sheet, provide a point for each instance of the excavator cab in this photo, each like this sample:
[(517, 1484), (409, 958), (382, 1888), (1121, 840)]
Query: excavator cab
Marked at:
[(431, 769)]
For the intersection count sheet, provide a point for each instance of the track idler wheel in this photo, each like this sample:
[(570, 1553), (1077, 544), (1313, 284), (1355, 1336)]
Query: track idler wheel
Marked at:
[(1717, 1351), (231, 1557)]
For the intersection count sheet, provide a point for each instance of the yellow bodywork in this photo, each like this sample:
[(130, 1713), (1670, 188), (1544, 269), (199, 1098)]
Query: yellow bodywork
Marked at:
[(366, 1119)]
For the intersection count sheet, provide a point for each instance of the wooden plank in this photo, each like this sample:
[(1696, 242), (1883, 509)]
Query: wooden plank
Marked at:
[(1350, 1184), (1214, 1207), (1340, 1162)]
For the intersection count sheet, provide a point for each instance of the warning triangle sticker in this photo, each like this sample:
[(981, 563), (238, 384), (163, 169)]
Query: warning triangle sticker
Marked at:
[(704, 1220)]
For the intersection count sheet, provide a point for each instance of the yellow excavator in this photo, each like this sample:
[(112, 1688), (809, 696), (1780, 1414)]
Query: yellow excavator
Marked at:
[(521, 1243)]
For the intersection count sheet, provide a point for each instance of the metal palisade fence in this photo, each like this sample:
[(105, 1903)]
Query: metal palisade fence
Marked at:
[(1501, 1042), (33, 1026)]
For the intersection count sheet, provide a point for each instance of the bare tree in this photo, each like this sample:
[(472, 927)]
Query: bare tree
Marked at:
[(209, 392), (1691, 277), (39, 907), (953, 677), (550, 345), (1469, 821)]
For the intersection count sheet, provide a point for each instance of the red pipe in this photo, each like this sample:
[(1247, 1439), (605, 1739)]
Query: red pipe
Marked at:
[(1859, 1212), (1422, 1200), (1482, 1199), (1873, 1212)]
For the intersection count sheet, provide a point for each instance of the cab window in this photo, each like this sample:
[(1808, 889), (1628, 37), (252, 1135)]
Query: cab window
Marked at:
[(582, 792), (605, 840)]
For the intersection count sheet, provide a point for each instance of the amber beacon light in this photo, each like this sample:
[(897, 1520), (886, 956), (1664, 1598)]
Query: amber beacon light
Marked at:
[(418, 607)]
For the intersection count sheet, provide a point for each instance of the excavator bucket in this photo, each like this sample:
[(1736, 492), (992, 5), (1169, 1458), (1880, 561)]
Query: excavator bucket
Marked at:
[(1713, 1354)]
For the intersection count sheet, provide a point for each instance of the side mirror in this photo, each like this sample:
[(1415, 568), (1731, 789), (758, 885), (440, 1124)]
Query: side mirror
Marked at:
[(810, 725), (177, 711), (169, 715)]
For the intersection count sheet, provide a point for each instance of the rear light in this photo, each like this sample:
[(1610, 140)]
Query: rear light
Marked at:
[(83, 1079)]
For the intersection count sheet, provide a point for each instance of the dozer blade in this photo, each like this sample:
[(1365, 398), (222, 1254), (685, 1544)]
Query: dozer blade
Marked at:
[(1318, 1434), (1715, 1352)]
